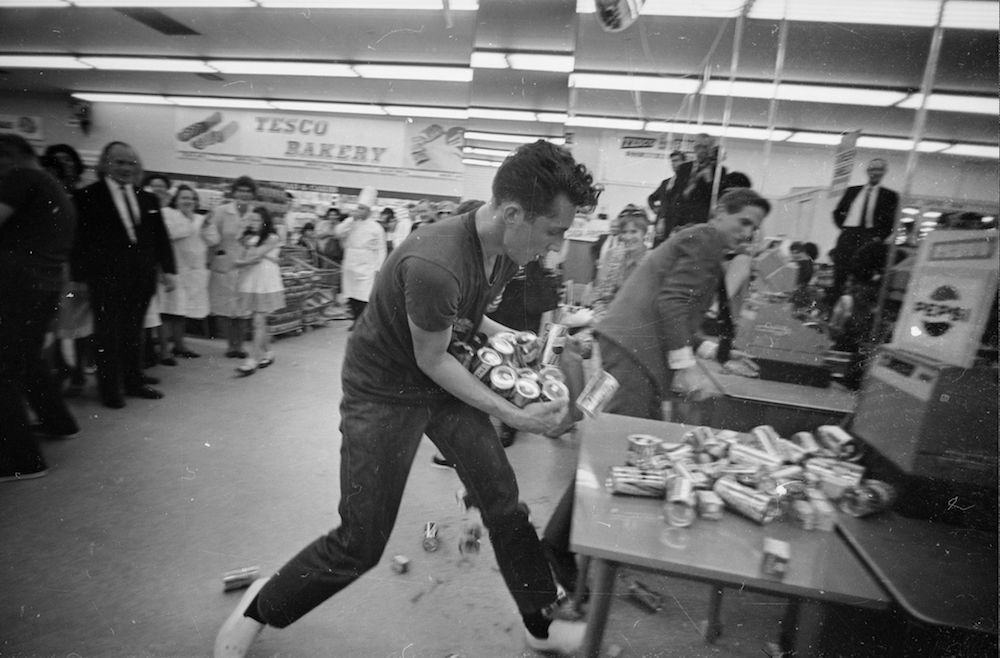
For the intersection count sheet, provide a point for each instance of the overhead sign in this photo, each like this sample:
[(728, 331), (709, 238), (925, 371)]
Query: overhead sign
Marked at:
[(843, 163)]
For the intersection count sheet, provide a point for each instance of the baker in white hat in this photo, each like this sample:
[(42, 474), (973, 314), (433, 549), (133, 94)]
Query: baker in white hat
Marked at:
[(364, 252)]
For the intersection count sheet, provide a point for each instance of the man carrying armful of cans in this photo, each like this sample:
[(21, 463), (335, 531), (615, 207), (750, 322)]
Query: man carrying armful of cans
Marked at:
[(400, 381)]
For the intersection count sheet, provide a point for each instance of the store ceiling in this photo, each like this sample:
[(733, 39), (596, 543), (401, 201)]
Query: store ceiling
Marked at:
[(816, 53)]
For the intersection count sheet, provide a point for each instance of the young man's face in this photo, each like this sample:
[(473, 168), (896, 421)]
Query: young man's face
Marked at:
[(525, 240), (739, 227)]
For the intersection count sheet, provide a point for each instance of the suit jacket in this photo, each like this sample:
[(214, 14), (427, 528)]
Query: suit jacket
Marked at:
[(103, 254), (677, 209), (660, 307), (883, 216)]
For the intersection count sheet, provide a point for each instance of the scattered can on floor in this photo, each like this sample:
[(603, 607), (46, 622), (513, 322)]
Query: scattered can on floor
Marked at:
[(239, 578), (400, 564), (597, 393), (431, 542), (646, 597)]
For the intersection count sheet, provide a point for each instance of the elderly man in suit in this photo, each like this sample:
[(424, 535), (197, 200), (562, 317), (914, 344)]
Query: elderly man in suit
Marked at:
[(121, 248), (687, 197), (866, 213)]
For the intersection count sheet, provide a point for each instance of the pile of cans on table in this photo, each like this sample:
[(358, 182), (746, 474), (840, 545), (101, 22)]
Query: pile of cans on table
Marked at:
[(518, 365), (759, 475)]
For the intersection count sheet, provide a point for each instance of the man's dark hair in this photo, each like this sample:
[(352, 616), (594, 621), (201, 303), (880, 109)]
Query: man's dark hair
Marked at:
[(19, 147), (54, 149), (388, 212), (739, 198), (244, 181), (151, 177), (811, 250), (678, 154), (535, 174)]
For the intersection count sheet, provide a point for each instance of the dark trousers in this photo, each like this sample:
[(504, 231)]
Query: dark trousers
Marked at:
[(357, 307), (118, 315), (849, 243), (378, 447), (25, 315), (637, 396)]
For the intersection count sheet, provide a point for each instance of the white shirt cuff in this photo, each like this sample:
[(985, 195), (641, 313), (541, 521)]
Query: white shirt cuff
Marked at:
[(680, 359)]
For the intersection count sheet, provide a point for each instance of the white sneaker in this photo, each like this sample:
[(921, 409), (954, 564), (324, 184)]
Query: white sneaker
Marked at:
[(565, 637), (239, 632)]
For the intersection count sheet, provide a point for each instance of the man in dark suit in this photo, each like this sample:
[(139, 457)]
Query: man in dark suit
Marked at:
[(866, 213), (688, 198), (121, 246)]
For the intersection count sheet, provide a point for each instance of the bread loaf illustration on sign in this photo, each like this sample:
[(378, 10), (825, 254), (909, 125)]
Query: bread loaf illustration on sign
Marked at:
[(200, 127), (215, 136)]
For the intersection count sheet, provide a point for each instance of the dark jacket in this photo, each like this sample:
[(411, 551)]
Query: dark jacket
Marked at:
[(883, 216)]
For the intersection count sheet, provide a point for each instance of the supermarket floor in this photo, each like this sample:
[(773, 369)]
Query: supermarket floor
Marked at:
[(121, 549)]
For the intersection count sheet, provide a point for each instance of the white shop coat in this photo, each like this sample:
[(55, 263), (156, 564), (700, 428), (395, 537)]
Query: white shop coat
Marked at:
[(364, 253)]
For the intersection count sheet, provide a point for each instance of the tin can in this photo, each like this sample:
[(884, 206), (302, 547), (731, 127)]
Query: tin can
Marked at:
[(628, 481), (463, 353), (835, 439), (699, 437), (767, 440), (486, 359), (869, 497), (554, 391), (683, 452), (509, 336), (526, 391), (526, 347), (471, 539), (643, 446), (553, 345), (527, 373), (503, 347), (753, 504), (239, 578), (502, 379), (710, 505), (551, 372), (806, 441), (657, 462), (742, 453), (697, 479), (400, 564), (791, 451), (431, 542), (775, 558), (679, 510), (644, 596), (597, 393)]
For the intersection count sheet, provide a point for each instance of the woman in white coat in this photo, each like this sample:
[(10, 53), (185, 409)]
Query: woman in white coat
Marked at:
[(189, 299), (364, 252)]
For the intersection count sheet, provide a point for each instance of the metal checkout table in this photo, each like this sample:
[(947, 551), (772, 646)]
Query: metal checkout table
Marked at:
[(630, 531)]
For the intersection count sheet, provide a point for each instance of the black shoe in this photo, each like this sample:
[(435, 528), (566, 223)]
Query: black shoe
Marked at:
[(55, 430), (169, 361), (236, 354), (113, 402), (145, 392), (186, 354), (149, 381), (27, 473), (441, 462)]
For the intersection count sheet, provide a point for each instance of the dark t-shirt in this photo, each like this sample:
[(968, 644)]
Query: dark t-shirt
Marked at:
[(35, 241), (435, 277)]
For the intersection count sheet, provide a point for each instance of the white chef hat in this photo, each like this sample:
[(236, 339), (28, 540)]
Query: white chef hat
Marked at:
[(368, 196)]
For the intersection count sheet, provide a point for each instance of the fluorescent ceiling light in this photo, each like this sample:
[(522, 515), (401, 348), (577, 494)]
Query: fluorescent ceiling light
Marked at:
[(481, 163), (541, 62), (41, 62), (605, 122), (740, 88), (150, 4), (501, 115), (674, 127), (426, 111), (921, 13), (402, 72), (34, 3), (483, 59), (962, 14), (494, 153), (897, 144), (616, 82), (708, 8), (829, 139), (252, 67), (148, 64), (988, 219), (413, 5), (134, 99), (841, 95), (761, 134), (910, 211), (205, 101), (552, 117), (955, 103), (335, 108), (932, 214), (974, 151), (510, 138)]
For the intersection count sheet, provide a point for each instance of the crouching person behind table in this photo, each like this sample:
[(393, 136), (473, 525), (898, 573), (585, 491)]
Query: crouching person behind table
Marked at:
[(400, 382)]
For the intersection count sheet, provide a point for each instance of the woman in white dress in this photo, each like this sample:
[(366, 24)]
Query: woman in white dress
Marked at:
[(222, 231), (259, 284), (189, 299), (364, 252)]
